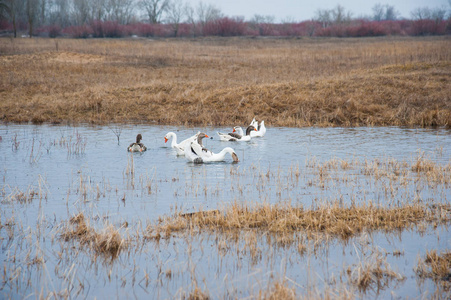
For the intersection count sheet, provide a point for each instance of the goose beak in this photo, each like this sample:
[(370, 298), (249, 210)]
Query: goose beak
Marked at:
[(233, 130), (255, 129), (165, 139), (206, 136)]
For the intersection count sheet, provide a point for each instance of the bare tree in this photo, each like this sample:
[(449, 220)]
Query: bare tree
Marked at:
[(60, 12), (191, 17), (378, 12), (154, 9), (384, 12), (438, 14), (98, 9), (261, 23), (339, 15), (5, 11), (390, 13), (14, 9), (421, 13), (81, 11), (42, 12), (119, 10), (324, 17), (175, 12), (260, 19), (32, 12), (208, 12)]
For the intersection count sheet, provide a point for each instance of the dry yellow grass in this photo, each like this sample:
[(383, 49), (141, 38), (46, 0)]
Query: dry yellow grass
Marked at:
[(228, 81), (108, 242), (436, 265), (332, 219)]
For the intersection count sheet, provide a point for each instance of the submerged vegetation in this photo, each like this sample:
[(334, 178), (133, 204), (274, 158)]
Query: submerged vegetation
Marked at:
[(226, 81)]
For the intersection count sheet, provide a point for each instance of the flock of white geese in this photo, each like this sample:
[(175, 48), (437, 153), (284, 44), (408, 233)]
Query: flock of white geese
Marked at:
[(193, 149)]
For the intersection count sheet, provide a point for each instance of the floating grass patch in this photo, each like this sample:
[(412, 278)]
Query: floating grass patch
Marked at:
[(333, 219)]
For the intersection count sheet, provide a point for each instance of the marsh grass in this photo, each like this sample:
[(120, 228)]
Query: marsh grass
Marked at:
[(436, 266), (278, 290), (108, 242), (374, 273), (15, 194), (243, 236), (228, 81), (332, 219)]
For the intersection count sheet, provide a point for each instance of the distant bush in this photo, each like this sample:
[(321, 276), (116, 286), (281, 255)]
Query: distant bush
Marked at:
[(366, 28), (112, 29), (52, 31), (237, 27), (333, 31), (83, 31), (428, 27), (225, 27), (5, 25)]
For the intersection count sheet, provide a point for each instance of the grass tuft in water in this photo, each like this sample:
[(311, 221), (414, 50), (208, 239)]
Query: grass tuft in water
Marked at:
[(108, 242)]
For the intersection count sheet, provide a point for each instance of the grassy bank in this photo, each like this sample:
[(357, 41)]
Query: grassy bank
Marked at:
[(286, 82)]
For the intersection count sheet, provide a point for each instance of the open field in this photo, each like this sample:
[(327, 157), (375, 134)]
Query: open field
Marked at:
[(224, 81), (318, 212)]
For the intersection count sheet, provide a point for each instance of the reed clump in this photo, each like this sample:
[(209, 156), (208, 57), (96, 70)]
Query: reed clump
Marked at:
[(333, 219), (108, 242), (278, 290), (197, 294), (305, 82), (436, 266), (374, 273)]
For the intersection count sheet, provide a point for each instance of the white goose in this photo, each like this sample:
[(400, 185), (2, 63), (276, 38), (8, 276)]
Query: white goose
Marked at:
[(261, 129), (180, 147), (197, 154), (239, 130), (233, 136)]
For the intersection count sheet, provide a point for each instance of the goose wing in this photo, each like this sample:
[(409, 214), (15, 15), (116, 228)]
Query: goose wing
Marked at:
[(201, 151)]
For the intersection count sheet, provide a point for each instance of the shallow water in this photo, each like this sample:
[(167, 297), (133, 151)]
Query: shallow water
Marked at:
[(85, 169)]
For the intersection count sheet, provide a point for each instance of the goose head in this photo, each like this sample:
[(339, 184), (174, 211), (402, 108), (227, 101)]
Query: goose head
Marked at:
[(200, 137), (232, 153), (168, 136), (249, 129)]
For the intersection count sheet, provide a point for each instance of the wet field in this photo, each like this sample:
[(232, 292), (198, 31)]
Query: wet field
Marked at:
[(49, 174)]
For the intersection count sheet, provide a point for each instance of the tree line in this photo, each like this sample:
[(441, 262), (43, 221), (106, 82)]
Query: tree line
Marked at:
[(166, 18)]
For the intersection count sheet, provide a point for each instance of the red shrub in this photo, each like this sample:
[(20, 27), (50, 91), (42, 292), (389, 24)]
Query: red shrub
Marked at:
[(83, 31), (225, 27), (365, 28), (5, 25), (113, 29), (427, 27), (332, 31), (51, 31)]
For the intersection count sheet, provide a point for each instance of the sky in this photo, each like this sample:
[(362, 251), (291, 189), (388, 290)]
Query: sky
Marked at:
[(301, 10)]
